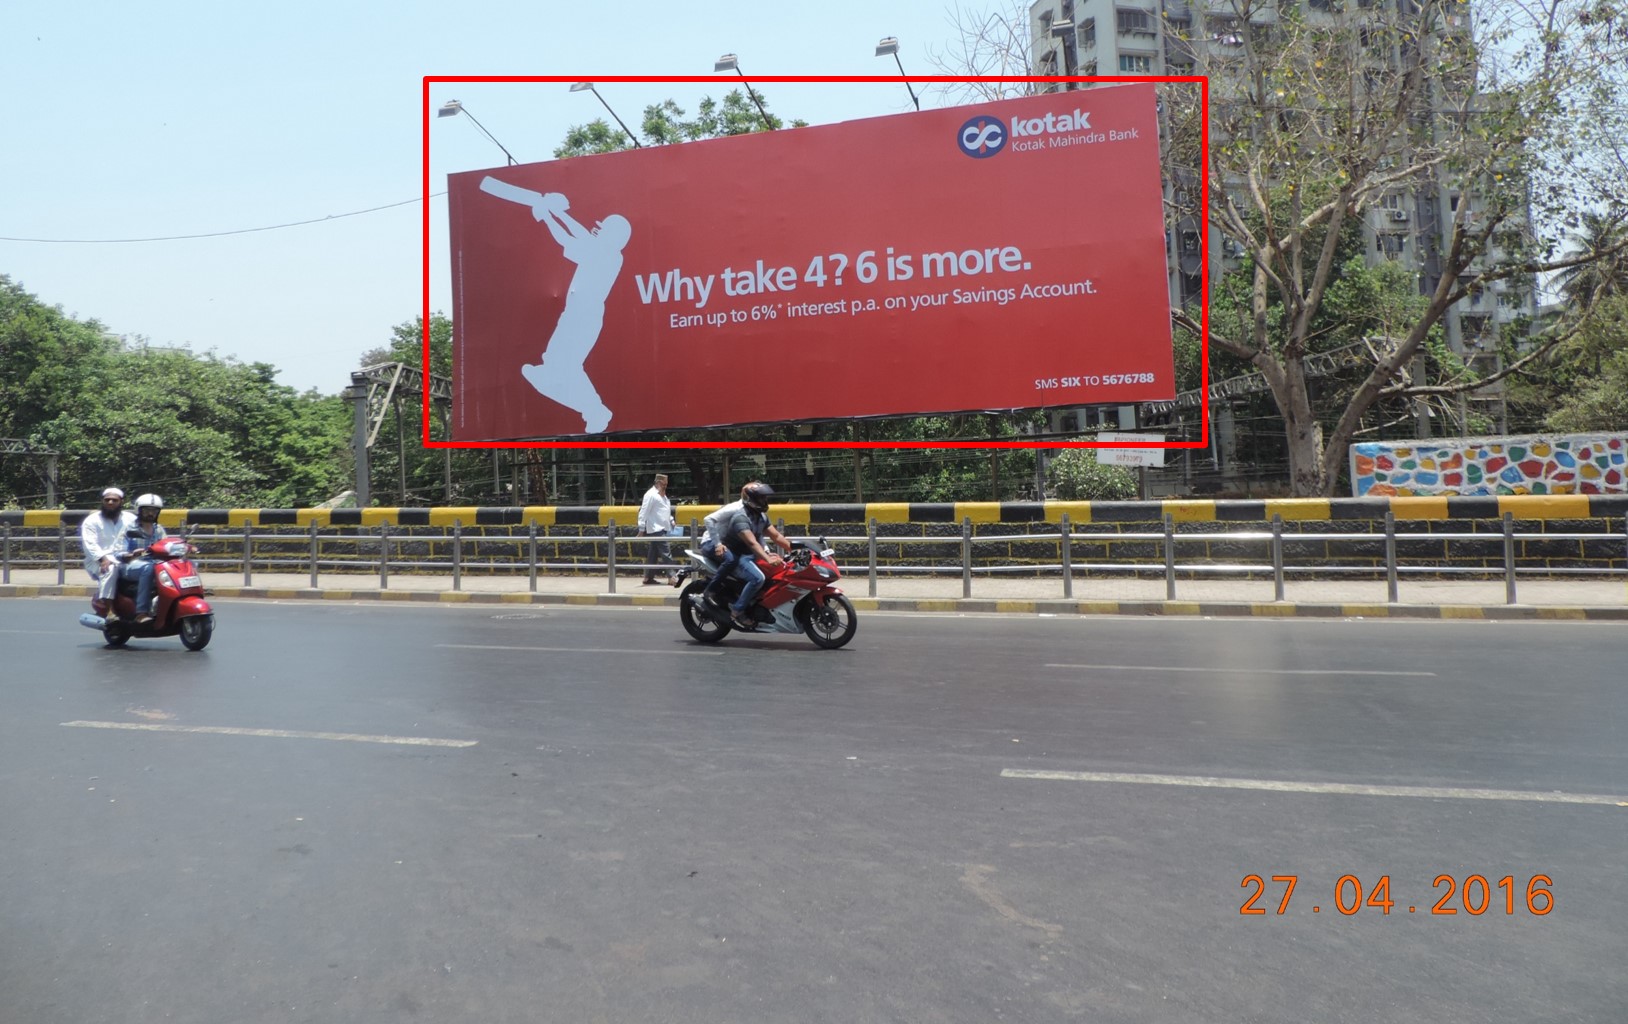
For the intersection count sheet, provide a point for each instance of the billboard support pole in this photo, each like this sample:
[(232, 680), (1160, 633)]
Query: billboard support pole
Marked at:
[(401, 453), (358, 445)]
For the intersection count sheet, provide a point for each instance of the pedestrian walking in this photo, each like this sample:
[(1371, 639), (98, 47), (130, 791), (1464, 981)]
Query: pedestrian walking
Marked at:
[(656, 520)]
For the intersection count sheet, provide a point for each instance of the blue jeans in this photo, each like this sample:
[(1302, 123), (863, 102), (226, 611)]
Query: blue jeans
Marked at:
[(726, 565), (746, 565), (141, 570)]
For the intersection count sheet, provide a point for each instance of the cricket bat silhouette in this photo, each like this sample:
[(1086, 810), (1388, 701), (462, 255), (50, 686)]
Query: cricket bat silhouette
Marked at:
[(538, 201)]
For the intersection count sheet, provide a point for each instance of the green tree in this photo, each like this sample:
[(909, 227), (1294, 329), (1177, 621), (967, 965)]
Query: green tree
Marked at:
[(666, 123), (1602, 233), (1519, 112), (1597, 397), (199, 430)]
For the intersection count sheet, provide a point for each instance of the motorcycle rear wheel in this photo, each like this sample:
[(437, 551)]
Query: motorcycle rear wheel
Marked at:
[(116, 636), (703, 629), (196, 631), (832, 626)]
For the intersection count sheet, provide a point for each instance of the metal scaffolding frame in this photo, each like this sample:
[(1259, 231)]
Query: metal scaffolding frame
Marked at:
[(376, 390), (52, 477)]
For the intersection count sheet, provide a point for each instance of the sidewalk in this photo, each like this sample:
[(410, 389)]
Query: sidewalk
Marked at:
[(1597, 598)]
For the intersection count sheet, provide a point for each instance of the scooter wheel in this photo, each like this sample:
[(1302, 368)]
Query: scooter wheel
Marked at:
[(116, 636), (698, 624), (196, 631)]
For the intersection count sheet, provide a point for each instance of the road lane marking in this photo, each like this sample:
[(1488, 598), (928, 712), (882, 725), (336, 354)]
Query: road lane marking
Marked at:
[(292, 734), (578, 650), (1352, 789), (1251, 671)]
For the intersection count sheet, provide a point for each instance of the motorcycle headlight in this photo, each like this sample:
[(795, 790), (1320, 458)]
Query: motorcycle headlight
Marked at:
[(164, 577)]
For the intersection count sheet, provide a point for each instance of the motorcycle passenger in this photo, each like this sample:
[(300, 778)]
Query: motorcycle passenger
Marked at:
[(137, 565), (101, 536), (735, 533)]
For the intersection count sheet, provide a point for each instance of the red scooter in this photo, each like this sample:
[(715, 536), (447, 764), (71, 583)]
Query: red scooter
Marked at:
[(179, 609), (798, 596)]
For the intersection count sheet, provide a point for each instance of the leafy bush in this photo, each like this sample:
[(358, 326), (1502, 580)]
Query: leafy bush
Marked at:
[(1076, 475)]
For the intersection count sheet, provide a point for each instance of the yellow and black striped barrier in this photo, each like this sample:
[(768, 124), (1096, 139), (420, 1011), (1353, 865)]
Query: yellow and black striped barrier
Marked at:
[(1181, 510)]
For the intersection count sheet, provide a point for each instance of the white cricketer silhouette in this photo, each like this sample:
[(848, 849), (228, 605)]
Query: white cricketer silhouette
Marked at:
[(598, 256)]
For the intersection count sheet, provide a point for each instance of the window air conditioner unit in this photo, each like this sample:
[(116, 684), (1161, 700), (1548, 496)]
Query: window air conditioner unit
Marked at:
[(1400, 216)]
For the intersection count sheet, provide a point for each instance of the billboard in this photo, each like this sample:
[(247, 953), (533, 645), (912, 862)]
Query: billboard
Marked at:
[(996, 256)]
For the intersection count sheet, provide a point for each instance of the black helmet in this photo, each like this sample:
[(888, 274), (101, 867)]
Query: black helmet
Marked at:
[(756, 496)]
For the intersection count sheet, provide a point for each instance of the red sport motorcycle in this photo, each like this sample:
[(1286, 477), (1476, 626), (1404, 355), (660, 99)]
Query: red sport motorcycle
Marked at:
[(798, 596), (178, 610)]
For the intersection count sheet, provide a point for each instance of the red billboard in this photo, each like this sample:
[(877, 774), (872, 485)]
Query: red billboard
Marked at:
[(1002, 255)]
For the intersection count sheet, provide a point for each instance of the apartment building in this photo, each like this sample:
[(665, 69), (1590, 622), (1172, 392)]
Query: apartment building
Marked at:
[(1166, 37)]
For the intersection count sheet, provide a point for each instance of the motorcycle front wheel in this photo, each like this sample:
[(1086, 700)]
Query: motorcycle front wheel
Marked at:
[(196, 631), (696, 623), (833, 625)]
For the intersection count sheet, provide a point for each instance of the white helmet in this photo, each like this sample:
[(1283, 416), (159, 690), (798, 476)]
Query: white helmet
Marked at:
[(148, 501)]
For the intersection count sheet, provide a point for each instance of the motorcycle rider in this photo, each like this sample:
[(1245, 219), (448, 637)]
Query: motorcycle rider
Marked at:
[(101, 536), (734, 536), (137, 565)]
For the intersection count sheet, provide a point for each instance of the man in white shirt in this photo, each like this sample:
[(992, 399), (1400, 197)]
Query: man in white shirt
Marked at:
[(656, 520), (102, 537)]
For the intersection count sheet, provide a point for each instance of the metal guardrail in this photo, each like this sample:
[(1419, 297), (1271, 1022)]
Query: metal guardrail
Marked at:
[(1169, 539)]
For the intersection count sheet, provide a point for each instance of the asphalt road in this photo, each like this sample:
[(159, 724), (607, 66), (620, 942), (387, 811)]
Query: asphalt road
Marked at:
[(601, 821)]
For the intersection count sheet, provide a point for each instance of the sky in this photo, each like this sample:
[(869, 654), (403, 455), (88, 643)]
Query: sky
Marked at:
[(177, 118)]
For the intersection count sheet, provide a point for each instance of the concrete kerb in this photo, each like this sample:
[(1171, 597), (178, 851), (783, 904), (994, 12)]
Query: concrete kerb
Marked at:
[(973, 605)]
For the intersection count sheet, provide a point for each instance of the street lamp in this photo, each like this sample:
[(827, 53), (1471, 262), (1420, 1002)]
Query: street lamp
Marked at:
[(729, 62), (451, 107), (890, 45), (1063, 31), (589, 87)]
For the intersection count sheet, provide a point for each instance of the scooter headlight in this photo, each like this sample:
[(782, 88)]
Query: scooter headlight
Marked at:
[(164, 578)]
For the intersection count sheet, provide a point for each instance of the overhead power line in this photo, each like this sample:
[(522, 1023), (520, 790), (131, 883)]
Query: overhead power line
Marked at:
[(217, 234)]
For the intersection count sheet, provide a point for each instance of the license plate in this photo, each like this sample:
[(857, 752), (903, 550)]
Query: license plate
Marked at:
[(187, 582)]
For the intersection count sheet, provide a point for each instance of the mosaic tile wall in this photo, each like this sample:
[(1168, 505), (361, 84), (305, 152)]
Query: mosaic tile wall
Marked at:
[(1548, 464)]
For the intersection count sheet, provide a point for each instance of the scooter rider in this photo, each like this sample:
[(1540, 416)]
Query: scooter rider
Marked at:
[(734, 536), (138, 566), (101, 536)]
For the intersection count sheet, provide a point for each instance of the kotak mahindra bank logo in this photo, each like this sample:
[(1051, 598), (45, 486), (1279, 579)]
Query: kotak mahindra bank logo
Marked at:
[(985, 135)]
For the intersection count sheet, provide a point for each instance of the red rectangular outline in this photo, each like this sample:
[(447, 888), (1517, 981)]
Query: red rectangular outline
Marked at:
[(1204, 270)]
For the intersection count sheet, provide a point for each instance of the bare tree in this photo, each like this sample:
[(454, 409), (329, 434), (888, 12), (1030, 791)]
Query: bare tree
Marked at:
[(983, 45), (1503, 128)]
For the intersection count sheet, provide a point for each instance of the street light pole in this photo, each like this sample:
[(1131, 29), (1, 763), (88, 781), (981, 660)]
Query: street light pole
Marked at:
[(891, 45), (729, 62), (451, 107), (589, 87), (1063, 32)]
